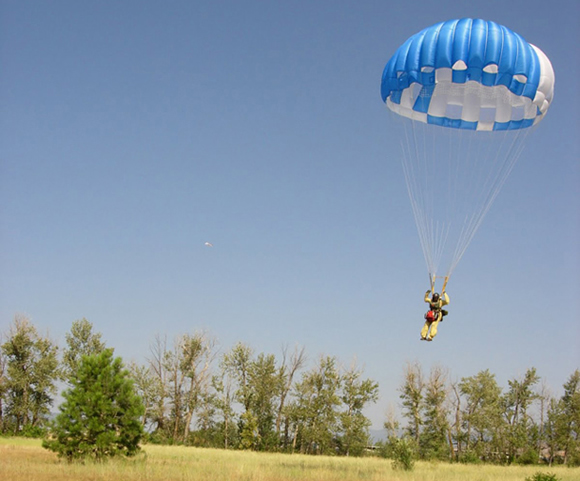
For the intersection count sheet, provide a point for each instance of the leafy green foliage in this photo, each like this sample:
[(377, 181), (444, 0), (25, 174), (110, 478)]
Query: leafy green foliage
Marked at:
[(27, 386), (469, 457), (563, 423), (539, 476), (434, 442), (481, 415), (403, 452), (175, 383), (265, 384), (516, 402), (315, 410), (80, 341), (412, 394), (528, 457), (482, 424), (100, 415), (357, 393), (254, 402)]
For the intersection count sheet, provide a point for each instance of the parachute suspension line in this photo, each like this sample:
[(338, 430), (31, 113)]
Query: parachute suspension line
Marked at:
[(505, 158), (413, 185), (420, 186), (421, 190), (418, 191), (453, 177), (439, 229), (436, 232), (467, 155)]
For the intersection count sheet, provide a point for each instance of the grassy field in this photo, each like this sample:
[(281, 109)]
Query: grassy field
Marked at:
[(25, 459)]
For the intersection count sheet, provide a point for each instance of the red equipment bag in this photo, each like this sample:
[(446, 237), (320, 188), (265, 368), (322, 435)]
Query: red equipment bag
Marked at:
[(430, 316)]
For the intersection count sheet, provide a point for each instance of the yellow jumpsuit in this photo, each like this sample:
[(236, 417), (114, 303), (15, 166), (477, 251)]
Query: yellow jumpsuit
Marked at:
[(435, 306)]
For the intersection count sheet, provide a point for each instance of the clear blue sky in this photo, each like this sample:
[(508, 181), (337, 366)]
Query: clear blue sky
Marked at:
[(132, 132)]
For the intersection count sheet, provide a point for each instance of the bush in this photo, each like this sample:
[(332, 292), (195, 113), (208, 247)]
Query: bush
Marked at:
[(384, 449), (403, 454), (543, 477), (528, 457), (32, 432), (469, 457), (574, 458)]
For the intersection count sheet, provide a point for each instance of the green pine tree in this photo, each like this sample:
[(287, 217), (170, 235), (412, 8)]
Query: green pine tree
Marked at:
[(100, 416)]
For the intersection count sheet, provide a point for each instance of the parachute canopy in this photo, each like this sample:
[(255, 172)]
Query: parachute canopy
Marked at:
[(465, 95), (469, 74)]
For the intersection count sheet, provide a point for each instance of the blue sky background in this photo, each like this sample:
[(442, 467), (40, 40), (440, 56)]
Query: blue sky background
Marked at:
[(133, 132)]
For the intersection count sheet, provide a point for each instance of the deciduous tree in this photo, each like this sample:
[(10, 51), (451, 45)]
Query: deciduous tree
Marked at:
[(223, 385), (31, 371), (356, 394), (147, 386), (80, 341), (159, 409), (412, 392), (315, 412), (482, 414), (3, 382), (435, 438), (196, 356), (516, 402), (265, 385), (288, 370), (570, 428)]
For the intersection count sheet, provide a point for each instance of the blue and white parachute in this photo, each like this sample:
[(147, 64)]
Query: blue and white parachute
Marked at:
[(465, 93), (469, 74)]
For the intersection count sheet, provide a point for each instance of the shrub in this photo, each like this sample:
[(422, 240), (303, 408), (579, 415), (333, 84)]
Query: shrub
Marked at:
[(403, 454), (529, 456), (32, 432), (469, 457), (574, 458), (539, 476)]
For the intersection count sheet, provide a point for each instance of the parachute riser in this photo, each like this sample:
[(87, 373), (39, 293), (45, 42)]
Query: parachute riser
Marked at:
[(433, 278)]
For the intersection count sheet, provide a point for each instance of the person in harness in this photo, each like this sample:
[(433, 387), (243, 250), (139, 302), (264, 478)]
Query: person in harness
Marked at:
[(435, 314)]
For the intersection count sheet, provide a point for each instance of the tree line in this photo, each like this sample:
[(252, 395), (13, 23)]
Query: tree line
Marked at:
[(190, 393), (474, 420)]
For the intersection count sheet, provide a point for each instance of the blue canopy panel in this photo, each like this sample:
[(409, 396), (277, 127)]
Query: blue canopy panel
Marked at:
[(469, 74)]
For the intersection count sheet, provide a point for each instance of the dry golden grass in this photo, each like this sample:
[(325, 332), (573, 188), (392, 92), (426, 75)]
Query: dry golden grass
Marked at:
[(26, 460)]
